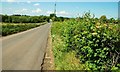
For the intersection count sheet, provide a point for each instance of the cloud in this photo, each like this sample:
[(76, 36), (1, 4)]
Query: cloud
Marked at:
[(28, 2), (58, 13), (63, 13), (24, 10), (10, 0), (37, 10), (49, 12), (21, 11), (37, 4)]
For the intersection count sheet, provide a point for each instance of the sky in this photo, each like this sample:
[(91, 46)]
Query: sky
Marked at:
[(60, 0), (65, 9)]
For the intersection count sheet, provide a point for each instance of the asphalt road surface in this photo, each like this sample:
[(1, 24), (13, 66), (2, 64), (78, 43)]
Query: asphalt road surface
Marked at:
[(25, 50)]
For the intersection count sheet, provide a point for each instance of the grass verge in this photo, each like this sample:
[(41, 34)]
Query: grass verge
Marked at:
[(63, 60)]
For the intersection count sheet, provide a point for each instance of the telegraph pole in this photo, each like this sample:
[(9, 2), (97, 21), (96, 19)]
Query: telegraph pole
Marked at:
[(55, 9), (53, 15)]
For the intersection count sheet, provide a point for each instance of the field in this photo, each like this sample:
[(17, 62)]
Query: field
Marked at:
[(86, 44), (11, 28)]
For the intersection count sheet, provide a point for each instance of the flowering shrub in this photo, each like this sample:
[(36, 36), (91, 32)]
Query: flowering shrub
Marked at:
[(96, 44)]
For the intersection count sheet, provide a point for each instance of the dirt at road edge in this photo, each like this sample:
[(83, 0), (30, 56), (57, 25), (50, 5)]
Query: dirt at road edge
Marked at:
[(48, 62)]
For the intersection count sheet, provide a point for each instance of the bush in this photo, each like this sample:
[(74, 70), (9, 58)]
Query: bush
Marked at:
[(8, 29), (96, 44)]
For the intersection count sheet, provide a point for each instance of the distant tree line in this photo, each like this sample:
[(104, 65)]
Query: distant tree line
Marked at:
[(38, 19), (24, 19), (55, 18), (29, 19)]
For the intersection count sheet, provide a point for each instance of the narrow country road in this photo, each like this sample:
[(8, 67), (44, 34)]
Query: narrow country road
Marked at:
[(25, 50)]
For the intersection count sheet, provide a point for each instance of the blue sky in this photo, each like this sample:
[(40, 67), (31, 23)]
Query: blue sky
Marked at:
[(66, 9), (60, 0)]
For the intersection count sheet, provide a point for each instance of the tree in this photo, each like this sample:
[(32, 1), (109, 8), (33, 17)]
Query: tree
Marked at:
[(103, 19), (112, 20), (53, 16)]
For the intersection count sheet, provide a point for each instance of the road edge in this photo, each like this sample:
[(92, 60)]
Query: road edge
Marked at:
[(48, 61)]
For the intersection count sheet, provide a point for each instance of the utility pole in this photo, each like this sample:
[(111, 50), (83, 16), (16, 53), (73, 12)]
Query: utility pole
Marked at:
[(55, 8), (53, 15)]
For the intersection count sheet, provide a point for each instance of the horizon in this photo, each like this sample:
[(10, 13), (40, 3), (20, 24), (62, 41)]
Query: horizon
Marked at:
[(64, 9)]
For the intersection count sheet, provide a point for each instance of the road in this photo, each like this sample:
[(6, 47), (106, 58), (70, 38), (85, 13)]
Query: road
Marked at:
[(25, 50)]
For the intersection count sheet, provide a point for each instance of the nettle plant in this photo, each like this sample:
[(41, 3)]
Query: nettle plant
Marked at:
[(97, 44)]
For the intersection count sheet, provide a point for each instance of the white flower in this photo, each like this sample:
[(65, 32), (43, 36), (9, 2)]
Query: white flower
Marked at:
[(94, 33)]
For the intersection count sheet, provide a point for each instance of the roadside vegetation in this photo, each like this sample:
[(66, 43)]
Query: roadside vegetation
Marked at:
[(82, 43), (30, 19), (11, 28), (86, 43), (11, 24)]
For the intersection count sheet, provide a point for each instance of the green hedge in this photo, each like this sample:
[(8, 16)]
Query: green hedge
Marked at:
[(11, 28), (96, 44)]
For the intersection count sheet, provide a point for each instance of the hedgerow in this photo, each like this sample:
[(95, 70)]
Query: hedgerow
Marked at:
[(96, 44), (11, 28)]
